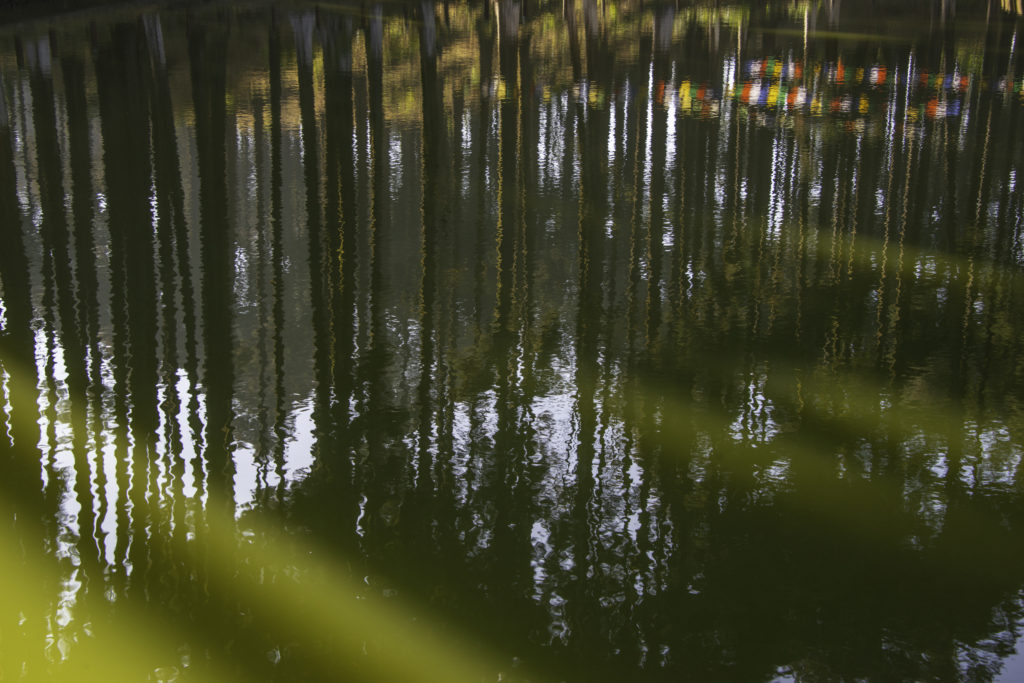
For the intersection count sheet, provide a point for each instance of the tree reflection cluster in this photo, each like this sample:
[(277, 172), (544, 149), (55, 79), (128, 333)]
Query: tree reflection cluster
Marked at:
[(630, 340)]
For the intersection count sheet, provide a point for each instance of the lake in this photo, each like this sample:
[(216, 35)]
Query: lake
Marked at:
[(512, 341)]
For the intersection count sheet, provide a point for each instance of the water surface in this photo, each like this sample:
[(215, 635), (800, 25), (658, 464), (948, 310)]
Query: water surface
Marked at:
[(585, 341)]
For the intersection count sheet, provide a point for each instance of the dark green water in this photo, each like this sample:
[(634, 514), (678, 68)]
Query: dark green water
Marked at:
[(512, 342)]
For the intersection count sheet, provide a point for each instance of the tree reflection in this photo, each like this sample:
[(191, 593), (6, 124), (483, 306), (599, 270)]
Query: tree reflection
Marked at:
[(624, 340)]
